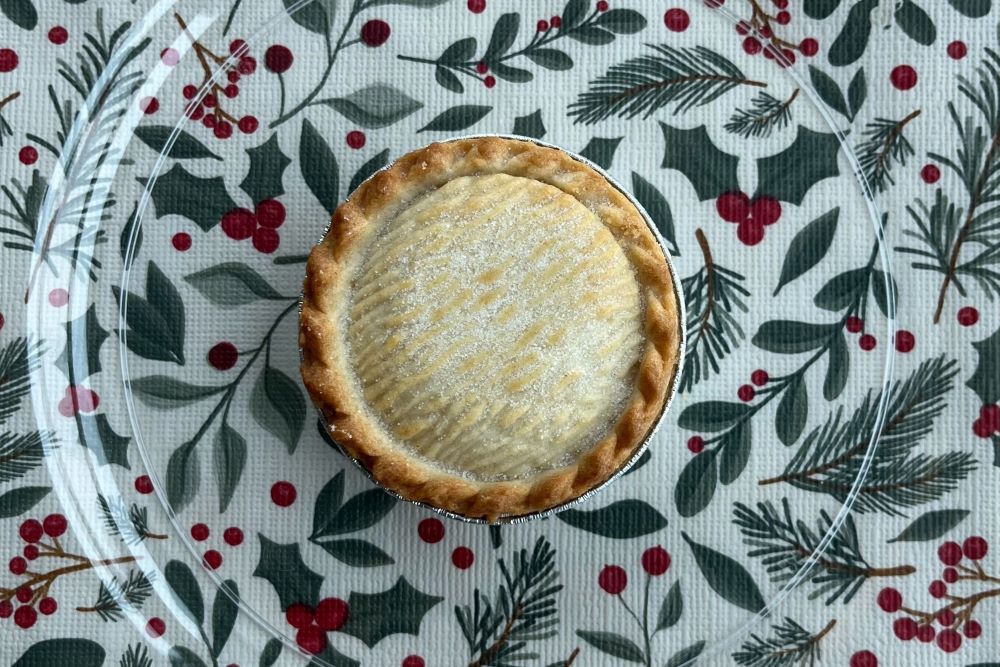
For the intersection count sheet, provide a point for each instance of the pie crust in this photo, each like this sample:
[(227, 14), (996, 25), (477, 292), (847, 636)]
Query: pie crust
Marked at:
[(489, 327)]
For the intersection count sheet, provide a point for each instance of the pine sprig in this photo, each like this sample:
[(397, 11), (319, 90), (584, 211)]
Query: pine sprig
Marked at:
[(5, 128), (683, 77), (22, 206), (130, 524), (766, 115), (17, 361), (713, 295), (832, 455), (791, 645), (937, 229), (136, 656), (525, 609), (133, 591), (883, 146), (20, 454)]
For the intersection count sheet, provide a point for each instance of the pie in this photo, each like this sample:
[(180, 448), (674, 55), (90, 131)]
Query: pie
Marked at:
[(489, 327)]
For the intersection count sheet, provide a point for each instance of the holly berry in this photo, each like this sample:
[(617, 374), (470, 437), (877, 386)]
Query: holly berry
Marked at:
[(809, 47), (283, 494), (750, 232), (210, 101), (181, 241), (47, 606), (733, 206), (490, 81), (28, 155), (783, 18), (299, 615), (270, 213), (236, 46), (23, 593), (31, 530), (233, 76), (6, 608), (331, 614), (949, 640), (311, 640), (476, 6), (156, 627), (925, 633), (248, 124), (949, 575), (930, 173), (612, 579), (905, 628), (972, 629), (233, 536), (981, 429), (356, 139), (375, 32), (957, 50), (8, 60), (751, 46), (58, 35), (854, 324), (990, 414), (195, 112), (867, 342), (189, 91), (266, 240), (746, 393), (759, 377), (221, 357), (30, 551), (950, 553), (864, 659), (890, 600), (946, 617), (231, 91), (904, 341), (54, 525), (430, 530), (695, 444), (676, 20), (143, 484), (413, 661), (212, 559), (247, 66), (18, 565), (25, 617), (278, 58), (482, 67), (542, 25), (602, 5), (937, 589), (223, 129), (903, 77), (968, 316), (462, 558), (765, 210), (655, 561), (239, 223), (975, 548)]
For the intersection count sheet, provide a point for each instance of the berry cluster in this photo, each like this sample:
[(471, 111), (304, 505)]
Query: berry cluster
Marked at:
[(988, 423), (33, 595), (212, 559), (613, 579), (955, 619), (751, 216), (261, 224), (855, 324), (78, 400), (431, 531), (312, 624), (764, 38)]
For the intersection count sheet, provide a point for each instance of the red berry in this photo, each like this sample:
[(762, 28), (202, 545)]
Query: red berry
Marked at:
[(949, 575), (375, 32), (31, 530), (752, 46), (149, 105), (746, 393), (6, 608), (189, 91), (430, 530), (602, 6), (950, 553), (946, 617), (655, 561), (949, 640), (854, 324), (990, 413), (331, 614), (903, 77), (925, 633), (236, 46), (556, 21), (930, 173), (8, 60), (765, 210), (695, 444), (199, 531), (733, 206), (972, 629), (170, 57), (283, 494), (233, 536), (47, 606), (299, 615), (143, 484), (759, 377), (867, 342), (750, 232), (25, 617), (210, 101), (981, 428), (221, 357), (30, 551), (18, 565), (156, 627), (28, 155), (356, 139), (784, 18), (490, 81), (266, 240), (809, 47), (181, 241), (195, 112), (780, 4), (311, 640), (968, 316), (23, 593), (864, 659), (54, 525), (233, 76), (890, 600), (212, 559), (277, 58), (248, 124), (957, 50), (413, 661), (231, 91), (542, 25), (905, 628), (462, 558), (742, 28), (612, 579), (223, 129), (765, 31), (482, 67), (58, 35), (676, 20), (975, 548), (247, 66), (904, 341), (476, 6), (1, 321), (239, 223), (270, 213), (937, 589)]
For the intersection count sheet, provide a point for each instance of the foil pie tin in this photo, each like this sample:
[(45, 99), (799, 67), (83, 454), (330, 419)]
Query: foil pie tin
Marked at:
[(671, 390)]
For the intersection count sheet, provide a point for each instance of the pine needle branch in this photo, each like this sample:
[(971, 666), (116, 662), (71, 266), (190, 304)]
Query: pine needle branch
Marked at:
[(882, 147), (791, 645), (17, 362), (133, 591), (683, 77), (136, 656), (20, 454), (831, 456), (130, 524), (766, 115), (713, 295), (937, 229)]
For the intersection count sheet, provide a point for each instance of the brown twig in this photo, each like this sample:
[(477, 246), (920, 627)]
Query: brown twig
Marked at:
[(706, 252), (203, 53), (891, 139), (46, 579), (487, 656), (868, 572), (572, 657), (10, 98), (760, 20)]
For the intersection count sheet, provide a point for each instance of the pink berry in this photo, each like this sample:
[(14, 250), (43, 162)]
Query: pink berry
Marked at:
[(957, 50), (750, 232), (270, 213), (31, 531), (655, 561), (430, 530), (143, 484), (299, 615), (156, 627), (213, 559), (905, 628), (975, 548), (972, 629), (47, 606), (864, 659), (759, 377), (222, 356), (490, 81), (233, 536), (696, 444), (58, 297), (903, 77), (25, 617), (612, 579), (248, 124), (266, 240), (867, 342), (765, 210), (890, 600), (54, 525), (809, 47), (169, 57), (930, 173), (28, 155), (949, 640), (239, 223), (58, 35), (733, 206), (181, 241), (968, 316), (904, 341), (676, 20), (283, 494), (356, 139), (311, 640), (199, 531), (18, 565), (375, 32), (278, 58), (476, 6), (331, 614), (937, 589), (462, 558), (950, 553), (746, 393)]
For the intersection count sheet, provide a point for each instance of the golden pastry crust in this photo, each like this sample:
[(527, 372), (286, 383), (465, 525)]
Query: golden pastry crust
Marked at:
[(327, 371)]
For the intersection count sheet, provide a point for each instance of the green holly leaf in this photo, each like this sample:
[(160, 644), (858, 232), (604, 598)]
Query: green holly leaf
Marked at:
[(108, 445), (448, 80), (691, 152), (843, 290), (356, 553), (814, 155), (277, 404), (167, 393), (985, 381), (853, 38), (552, 59), (793, 411), (734, 448), (621, 520), (790, 337), (613, 644), (838, 367), (530, 125), (87, 329), (504, 33), (972, 8), (727, 577), (201, 200), (808, 247), (186, 589), (183, 476), (456, 118), (820, 9), (696, 484), (368, 168), (931, 526), (361, 511), (232, 284), (397, 610), (573, 13), (267, 166), (589, 34), (684, 657), (658, 209), (375, 105), (271, 653), (458, 52), (712, 416), (601, 151), (22, 13), (186, 146), (229, 457), (671, 609), (18, 501), (51, 652), (225, 609), (828, 91), (621, 21), (513, 74), (319, 167), (281, 565), (857, 92), (155, 323), (915, 22)]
